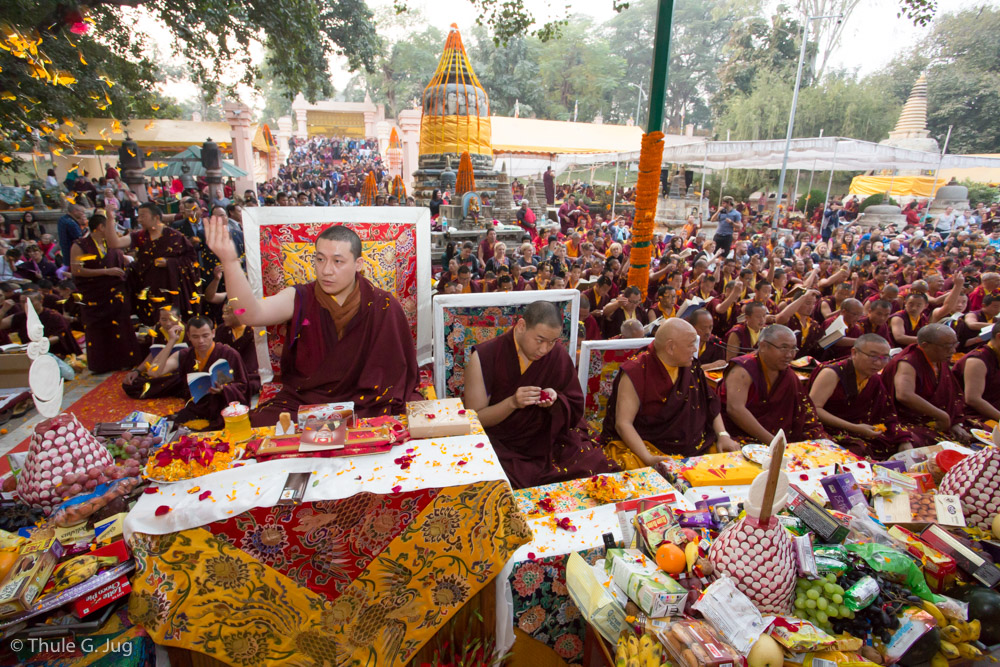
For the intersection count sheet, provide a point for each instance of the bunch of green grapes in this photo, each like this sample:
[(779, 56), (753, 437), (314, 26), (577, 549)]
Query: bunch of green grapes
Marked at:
[(820, 600)]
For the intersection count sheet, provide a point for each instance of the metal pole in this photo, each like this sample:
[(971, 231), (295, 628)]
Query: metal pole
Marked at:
[(638, 105), (795, 190), (704, 169), (936, 172), (614, 192), (661, 62), (791, 121), (829, 184)]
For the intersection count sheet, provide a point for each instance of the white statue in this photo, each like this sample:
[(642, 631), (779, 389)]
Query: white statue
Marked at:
[(44, 378)]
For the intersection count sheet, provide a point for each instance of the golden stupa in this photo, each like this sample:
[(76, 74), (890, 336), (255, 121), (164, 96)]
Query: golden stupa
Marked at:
[(456, 109)]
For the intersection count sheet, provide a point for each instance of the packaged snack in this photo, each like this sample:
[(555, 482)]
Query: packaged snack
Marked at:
[(861, 594), (821, 522), (652, 525), (436, 419), (28, 576), (656, 592), (843, 492), (800, 636), (803, 547), (913, 624), (696, 644), (940, 569), (895, 566)]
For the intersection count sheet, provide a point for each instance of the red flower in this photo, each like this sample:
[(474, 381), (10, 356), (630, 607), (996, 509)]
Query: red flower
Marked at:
[(204, 495), (162, 509), (152, 489), (566, 524)]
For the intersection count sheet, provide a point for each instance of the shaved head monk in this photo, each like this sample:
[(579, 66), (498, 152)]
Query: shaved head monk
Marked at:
[(927, 395), (854, 405), (761, 394), (346, 339), (979, 373), (852, 311), (661, 404), (524, 387)]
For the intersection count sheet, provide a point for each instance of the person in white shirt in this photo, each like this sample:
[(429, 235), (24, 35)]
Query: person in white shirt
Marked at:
[(945, 223)]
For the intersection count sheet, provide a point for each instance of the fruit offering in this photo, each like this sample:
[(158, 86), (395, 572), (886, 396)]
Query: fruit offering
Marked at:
[(60, 447), (14, 515), (188, 457), (821, 601), (128, 447)]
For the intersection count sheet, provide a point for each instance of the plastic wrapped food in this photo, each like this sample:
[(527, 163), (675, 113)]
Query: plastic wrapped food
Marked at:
[(696, 644)]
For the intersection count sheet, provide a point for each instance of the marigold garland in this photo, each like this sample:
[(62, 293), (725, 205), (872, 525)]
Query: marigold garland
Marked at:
[(369, 190), (398, 188), (466, 180), (646, 199)]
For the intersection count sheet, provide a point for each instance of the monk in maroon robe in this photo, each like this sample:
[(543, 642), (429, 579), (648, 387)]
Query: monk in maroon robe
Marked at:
[(905, 323), (106, 310), (589, 328), (524, 387), (203, 352), (762, 394), (242, 339), (852, 311), (711, 348), (661, 404), (877, 320), (628, 306), (345, 339), (853, 404), (797, 316), (979, 374), (742, 338), (972, 323), (928, 397), (165, 270), (61, 340)]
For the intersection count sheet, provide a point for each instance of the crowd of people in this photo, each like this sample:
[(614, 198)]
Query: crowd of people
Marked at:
[(917, 359)]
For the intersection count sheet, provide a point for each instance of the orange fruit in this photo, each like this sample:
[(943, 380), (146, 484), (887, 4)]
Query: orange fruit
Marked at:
[(670, 558)]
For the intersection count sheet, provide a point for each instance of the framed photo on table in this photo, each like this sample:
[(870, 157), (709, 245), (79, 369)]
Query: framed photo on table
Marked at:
[(597, 368), (462, 321), (396, 246)]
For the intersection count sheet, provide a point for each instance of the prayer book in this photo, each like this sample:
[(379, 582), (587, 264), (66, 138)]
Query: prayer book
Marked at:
[(986, 332), (218, 374), (834, 332), (156, 349), (689, 306)]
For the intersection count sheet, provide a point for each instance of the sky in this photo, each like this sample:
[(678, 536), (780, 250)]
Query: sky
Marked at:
[(872, 36)]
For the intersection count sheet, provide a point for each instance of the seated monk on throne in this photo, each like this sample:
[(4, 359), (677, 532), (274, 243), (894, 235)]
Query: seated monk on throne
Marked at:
[(525, 389), (346, 340)]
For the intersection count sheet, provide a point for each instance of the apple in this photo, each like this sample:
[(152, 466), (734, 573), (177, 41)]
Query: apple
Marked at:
[(766, 653)]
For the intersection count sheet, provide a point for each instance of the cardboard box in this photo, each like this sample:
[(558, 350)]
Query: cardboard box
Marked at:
[(843, 492), (437, 419), (920, 508), (825, 525), (341, 411), (968, 560), (14, 370), (28, 576), (655, 591), (939, 568), (110, 592)]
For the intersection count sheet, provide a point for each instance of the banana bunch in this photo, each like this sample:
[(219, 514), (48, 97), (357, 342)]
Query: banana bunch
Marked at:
[(635, 651), (79, 569), (956, 637)]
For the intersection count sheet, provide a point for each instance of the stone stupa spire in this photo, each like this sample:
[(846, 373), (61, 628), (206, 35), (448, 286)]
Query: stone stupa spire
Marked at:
[(911, 128)]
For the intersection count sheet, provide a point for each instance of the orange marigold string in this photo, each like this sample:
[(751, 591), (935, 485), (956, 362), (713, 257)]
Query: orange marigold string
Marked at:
[(370, 190), (647, 195), (466, 180)]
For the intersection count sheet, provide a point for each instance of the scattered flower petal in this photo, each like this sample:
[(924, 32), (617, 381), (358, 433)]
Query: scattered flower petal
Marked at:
[(162, 509)]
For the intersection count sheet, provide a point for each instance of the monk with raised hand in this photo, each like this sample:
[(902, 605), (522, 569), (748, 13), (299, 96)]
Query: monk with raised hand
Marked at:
[(524, 388), (927, 395), (854, 405), (761, 393), (661, 404), (346, 340), (852, 311), (979, 373)]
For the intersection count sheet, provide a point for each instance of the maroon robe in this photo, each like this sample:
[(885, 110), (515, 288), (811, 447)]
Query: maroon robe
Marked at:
[(211, 405), (591, 329), (539, 445), (882, 330), (247, 348), (908, 327), (520, 285), (941, 390), (106, 311), (170, 285), (675, 417), (742, 332), (785, 405), (373, 364), (612, 325), (872, 405), (597, 303), (835, 352), (967, 335), (808, 339), (895, 305), (991, 390), (715, 350), (54, 324)]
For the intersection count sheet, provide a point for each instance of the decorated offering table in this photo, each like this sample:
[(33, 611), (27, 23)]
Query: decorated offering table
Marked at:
[(376, 557)]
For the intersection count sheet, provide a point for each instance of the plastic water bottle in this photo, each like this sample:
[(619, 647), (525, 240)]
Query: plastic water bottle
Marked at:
[(444, 223)]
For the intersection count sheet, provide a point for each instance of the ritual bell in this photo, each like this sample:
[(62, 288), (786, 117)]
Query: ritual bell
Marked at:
[(211, 156), (130, 155)]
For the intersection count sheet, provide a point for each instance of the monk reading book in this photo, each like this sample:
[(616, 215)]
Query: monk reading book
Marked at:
[(661, 403), (346, 340), (199, 358), (762, 394), (853, 403), (525, 390)]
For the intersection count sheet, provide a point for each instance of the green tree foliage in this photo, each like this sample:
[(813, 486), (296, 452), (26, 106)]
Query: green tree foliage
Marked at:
[(509, 74)]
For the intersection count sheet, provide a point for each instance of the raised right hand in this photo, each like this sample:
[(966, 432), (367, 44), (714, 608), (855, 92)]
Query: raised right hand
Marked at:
[(526, 396), (218, 239)]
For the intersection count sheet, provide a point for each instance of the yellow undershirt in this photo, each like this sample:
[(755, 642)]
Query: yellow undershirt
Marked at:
[(522, 361), (467, 289), (805, 324), (199, 364), (753, 336), (763, 369), (914, 322), (672, 371), (931, 363), (862, 384), (238, 331)]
